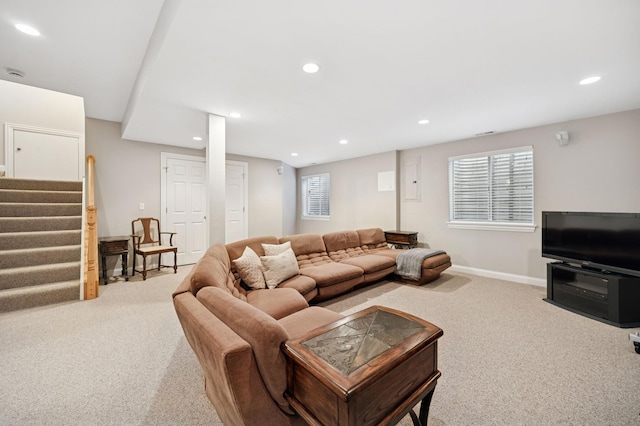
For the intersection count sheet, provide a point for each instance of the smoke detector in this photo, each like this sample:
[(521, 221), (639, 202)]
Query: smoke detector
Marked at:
[(15, 73)]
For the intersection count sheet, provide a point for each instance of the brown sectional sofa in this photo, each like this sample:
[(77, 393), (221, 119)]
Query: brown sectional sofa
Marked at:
[(236, 332)]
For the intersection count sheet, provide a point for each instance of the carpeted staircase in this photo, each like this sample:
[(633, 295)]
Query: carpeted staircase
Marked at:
[(40, 236)]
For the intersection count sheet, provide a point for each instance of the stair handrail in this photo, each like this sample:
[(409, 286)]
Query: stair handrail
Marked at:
[(91, 275)]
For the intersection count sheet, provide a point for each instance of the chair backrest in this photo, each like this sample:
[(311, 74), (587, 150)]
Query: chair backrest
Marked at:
[(148, 229)]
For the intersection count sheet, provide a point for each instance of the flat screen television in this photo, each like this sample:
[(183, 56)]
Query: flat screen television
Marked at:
[(601, 241)]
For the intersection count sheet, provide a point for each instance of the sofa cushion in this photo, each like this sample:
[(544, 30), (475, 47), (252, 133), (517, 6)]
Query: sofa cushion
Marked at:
[(371, 263), (213, 269), (372, 238), (302, 322), (249, 268), (278, 268), (278, 302), (261, 331), (333, 273), (342, 245), (309, 249), (275, 249), (306, 286)]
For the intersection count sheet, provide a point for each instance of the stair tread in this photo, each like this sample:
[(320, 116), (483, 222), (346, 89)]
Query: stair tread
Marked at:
[(40, 249), (14, 203), (63, 265), (65, 231), (39, 219), (39, 287)]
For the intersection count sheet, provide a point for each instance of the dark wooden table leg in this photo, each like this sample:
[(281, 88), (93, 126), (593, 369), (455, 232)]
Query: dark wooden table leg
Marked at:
[(424, 407), (125, 265), (104, 270)]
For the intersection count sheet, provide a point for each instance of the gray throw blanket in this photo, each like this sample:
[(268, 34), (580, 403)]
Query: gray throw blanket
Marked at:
[(409, 262)]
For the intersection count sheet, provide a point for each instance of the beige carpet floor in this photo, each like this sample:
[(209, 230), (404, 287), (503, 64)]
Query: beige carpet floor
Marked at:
[(507, 358)]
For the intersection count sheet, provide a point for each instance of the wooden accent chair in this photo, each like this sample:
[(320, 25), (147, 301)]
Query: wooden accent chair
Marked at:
[(147, 241)]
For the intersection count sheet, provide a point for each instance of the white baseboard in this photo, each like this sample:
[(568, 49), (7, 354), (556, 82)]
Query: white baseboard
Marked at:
[(522, 279)]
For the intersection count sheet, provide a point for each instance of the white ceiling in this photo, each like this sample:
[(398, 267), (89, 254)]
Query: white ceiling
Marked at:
[(467, 66)]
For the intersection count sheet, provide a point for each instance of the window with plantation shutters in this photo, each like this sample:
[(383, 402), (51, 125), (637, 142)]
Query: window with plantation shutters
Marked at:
[(316, 196), (492, 190)]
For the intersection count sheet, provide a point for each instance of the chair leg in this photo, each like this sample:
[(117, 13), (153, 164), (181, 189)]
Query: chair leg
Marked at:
[(133, 271), (175, 262), (144, 267), (159, 260)]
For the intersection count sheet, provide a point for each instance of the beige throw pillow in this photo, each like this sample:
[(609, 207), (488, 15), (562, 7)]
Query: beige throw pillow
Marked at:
[(249, 268), (275, 249), (280, 267)]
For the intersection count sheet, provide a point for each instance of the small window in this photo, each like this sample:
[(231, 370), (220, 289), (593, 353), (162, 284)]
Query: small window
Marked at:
[(316, 196), (492, 190)]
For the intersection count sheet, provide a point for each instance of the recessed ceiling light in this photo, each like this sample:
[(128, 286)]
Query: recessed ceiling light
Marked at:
[(590, 80), (344, 142), (311, 68), (27, 29), (423, 122), (294, 154), (235, 115), (197, 138)]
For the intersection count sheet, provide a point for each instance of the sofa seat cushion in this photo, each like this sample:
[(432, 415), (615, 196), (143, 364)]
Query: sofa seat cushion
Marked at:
[(332, 273), (277, 302), (370, 263), (306, 286), (261, 331), (302, 322)]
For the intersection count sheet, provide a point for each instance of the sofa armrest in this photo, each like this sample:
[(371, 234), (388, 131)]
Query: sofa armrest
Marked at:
[(277, 302)]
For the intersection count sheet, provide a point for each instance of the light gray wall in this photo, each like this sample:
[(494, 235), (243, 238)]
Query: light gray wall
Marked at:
[(270, 204), (355, 200), (598, 170), (126, 173)]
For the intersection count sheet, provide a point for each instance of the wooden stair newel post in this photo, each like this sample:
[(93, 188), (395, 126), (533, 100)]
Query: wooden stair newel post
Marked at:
[(91, 276)]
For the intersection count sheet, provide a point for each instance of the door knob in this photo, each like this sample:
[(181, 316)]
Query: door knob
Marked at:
[(19, 149)]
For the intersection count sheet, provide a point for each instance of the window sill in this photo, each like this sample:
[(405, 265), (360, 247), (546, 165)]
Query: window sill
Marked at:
[(326, 218), (495, 226)]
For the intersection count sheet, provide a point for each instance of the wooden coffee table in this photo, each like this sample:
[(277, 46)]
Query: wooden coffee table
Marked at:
[(368, 368)]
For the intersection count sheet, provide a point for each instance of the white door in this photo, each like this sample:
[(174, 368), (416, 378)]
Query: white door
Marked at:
[(236, 227), (185, 207), (45, 156)]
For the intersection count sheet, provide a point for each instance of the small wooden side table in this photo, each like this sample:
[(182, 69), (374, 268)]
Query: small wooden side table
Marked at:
[(369, 368), (114, 246), (404, 239)]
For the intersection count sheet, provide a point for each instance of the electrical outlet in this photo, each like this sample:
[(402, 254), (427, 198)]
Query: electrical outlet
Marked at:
[(141, 206)]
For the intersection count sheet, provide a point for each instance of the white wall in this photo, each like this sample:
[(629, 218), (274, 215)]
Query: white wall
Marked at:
[(355, 200), (21, 104), (598, 170)]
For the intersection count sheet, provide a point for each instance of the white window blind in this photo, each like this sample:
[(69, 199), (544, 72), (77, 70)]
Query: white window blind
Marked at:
[(316, 196), (492, 187)]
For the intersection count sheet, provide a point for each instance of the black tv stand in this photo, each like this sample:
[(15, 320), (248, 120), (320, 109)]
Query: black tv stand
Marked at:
[(611, 298)]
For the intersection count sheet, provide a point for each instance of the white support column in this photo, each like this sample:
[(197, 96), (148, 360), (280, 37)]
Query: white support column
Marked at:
[(216, 153)]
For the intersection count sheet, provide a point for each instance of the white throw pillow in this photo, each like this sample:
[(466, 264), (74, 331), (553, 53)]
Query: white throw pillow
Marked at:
[(275, 249), (279, 267), (249, 268)]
